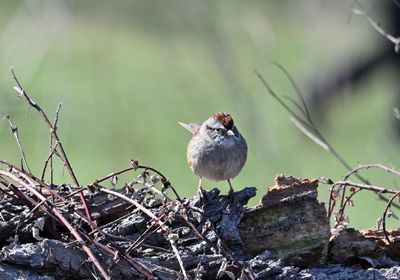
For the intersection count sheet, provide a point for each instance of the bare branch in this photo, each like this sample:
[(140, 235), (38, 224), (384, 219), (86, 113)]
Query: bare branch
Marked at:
[(14, 131), (53, 132), (136, 166), (310, 135), (385, 215), (307, 126), (377, 27), (49, 159), (371, 165), (171, 240), (374, 188), (51, 149), (31, 187), (305, 110)]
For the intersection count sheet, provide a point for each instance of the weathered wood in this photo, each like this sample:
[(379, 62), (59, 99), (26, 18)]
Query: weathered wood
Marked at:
[(367, 248), (289, 226), (290, 222)]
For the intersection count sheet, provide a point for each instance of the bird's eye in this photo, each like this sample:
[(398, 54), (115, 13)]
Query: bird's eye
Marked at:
[(219, 130)]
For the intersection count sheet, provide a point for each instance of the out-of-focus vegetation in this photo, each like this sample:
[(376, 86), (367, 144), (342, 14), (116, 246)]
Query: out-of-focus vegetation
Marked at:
[(128, 71)]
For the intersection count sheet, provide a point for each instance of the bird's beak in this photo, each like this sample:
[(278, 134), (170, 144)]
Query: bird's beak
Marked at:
[(230, 133)]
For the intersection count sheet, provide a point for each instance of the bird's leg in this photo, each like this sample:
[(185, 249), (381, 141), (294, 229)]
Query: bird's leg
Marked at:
[(231, 191), (200, 189)]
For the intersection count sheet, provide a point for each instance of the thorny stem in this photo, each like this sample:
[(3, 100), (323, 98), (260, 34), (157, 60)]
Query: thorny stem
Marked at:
[(331, 204), (163, 226), (134, 264), (14, 131), (341, 210), (49, 159), (384, 217), (134, 168), (51, 148), (31, 187), (53, 132), (7, 185), (363, 167), (371, 165), (368, 166), (365, 187), (131, 261), (360, 187), (32, 177), (143, 236)]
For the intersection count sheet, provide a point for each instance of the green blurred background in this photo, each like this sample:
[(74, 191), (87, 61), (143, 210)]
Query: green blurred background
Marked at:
[(126, 72)]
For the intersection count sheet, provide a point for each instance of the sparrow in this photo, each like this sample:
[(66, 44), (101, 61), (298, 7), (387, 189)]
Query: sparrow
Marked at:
[(217, 150)]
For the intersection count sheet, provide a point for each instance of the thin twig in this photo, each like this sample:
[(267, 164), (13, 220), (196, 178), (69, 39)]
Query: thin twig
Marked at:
[(53, 132), (331, 201), (55, 123), (132, 262), (224, 249), (374, 188), (134, 168), (32, 177), (310, 135), (304, 109), (307, 126), (348, 199), (36, 207), (178, 257), (164, 228), (14, 131), (143, 237), (7, 185), (384, 217), (371, 165), (376, 26), (132, 201), (49, 159), (29, 185), (390, 170)]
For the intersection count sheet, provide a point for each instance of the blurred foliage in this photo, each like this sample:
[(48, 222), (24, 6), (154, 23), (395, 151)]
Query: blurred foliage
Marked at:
[(128, 71)]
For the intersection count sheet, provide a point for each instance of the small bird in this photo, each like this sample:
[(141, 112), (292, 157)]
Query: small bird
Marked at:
[(217, 151)]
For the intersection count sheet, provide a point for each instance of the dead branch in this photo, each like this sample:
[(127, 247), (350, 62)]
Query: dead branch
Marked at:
[(305, 124), (369, 166), (53, 132), (52, 150), (14, 131), (31, 187), (385, 214), (373, 188), (377, 27)]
